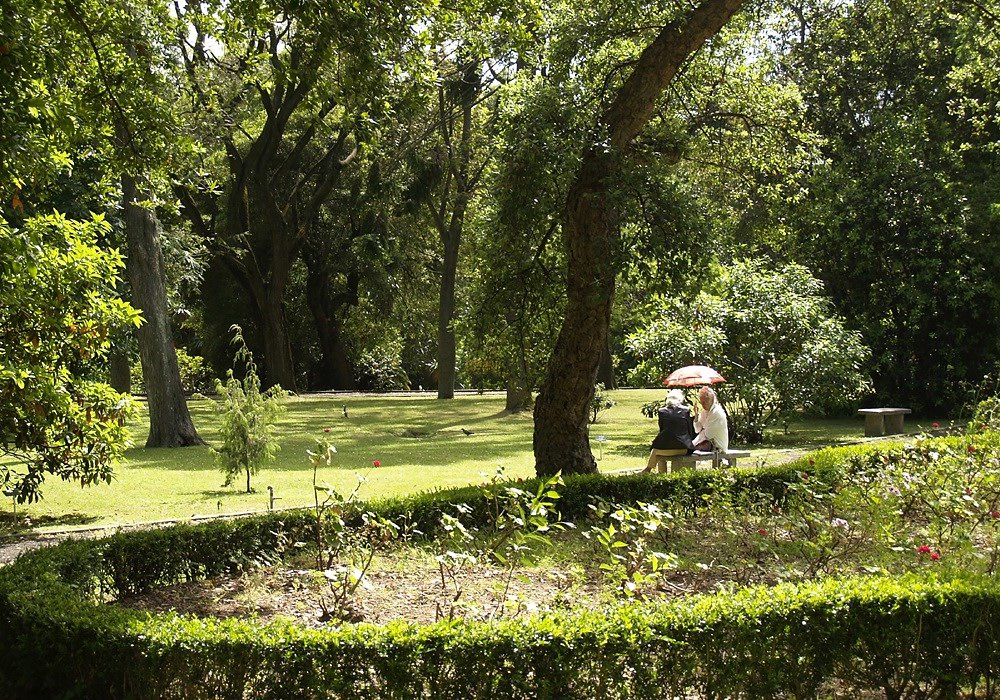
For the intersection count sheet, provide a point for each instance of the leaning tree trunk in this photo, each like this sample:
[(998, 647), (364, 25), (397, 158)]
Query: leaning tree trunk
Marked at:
[(561, 438), (169, 420)]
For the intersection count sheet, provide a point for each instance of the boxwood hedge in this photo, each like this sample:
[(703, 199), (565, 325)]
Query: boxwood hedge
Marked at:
[(906, 637)]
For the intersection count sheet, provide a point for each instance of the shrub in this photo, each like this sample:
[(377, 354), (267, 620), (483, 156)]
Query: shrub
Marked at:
[(248, 419), (380, 369), (907, 637), (913, 636), (599, 403), (196, 376), (772, 333)]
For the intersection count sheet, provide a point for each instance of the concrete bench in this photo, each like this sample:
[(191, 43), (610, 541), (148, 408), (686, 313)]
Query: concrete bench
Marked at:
[(666, 463), (883, 421)]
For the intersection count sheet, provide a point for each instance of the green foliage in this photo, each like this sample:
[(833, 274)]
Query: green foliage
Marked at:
[(772, 334), (987, 415), (196, 375), (626, 534), (901, 222), (929, 632), (516, 526), (248, 418), (905, 636), (380, 368), (58, 306), (600, 402), (343, 554)]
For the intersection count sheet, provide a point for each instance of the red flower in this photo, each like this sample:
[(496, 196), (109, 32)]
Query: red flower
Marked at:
[(935, 556), (971, 449), (762, 532), (935, 424), (995, 514), (924, 549), (376, 463)]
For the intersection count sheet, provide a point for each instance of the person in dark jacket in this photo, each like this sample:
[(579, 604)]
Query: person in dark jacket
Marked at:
[(676, 430)]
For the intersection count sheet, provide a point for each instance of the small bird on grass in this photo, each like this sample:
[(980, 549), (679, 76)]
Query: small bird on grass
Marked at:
[(345, 411), (468, 432)]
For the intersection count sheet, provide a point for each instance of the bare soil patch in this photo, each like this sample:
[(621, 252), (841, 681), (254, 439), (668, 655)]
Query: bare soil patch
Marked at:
[(399, 587)]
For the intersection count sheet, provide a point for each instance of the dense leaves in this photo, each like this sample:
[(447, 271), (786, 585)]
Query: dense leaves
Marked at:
[(771, 333), (902, 223), (57, 309)]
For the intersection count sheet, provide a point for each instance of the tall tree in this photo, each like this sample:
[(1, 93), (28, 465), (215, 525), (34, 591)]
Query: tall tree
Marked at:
[(127, 45), (170, 423), (113, 60), (901, 222), (282, 97), (590, 228), (448, 175)]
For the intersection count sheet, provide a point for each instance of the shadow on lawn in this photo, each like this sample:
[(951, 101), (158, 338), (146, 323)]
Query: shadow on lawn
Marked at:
[(13, 526)]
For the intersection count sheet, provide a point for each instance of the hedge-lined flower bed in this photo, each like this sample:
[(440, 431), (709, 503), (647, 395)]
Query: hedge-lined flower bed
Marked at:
[(893, 636)]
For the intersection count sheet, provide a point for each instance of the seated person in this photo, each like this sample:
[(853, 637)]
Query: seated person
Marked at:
[(712, 423), (676, 430)]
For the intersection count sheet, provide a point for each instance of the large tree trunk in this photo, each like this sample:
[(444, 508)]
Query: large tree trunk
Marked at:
[(169, 420), (446, 314), (270, 274), (335, 371), (279, 370), (561, 438)]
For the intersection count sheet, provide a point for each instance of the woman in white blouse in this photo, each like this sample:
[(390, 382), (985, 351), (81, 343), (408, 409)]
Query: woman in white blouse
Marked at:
[(711, 424)]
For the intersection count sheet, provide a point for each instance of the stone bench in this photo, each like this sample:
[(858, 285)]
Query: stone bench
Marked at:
[(883, 421), (671, 463)]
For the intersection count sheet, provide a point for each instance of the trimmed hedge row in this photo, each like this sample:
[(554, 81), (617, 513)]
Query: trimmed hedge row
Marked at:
[(896, 636), (906, 638), (688, 489)]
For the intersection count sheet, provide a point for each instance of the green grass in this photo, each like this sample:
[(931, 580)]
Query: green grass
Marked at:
[(154, 484)]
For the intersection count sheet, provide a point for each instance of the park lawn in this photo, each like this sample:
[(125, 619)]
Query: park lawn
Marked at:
[(417, 439)]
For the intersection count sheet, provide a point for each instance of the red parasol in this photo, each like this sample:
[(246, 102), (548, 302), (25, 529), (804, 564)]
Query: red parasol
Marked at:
[(693, 375)]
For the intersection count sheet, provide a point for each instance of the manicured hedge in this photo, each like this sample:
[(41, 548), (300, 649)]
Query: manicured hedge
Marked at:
[(688, 489), (893, 636), (906, 637)]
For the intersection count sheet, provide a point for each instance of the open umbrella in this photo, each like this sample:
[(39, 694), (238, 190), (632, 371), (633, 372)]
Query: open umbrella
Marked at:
[(693, 375)]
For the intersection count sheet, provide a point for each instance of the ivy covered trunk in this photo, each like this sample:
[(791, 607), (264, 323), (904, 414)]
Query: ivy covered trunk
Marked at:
[(169, 420)]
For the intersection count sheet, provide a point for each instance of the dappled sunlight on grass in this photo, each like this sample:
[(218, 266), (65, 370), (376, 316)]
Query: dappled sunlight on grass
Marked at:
[(418, 440)]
